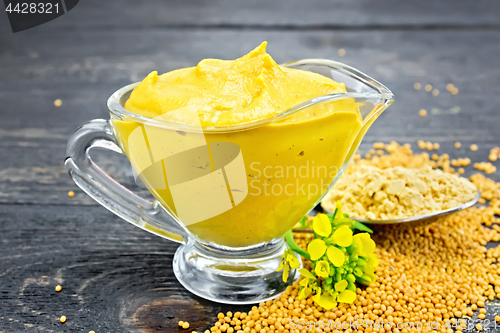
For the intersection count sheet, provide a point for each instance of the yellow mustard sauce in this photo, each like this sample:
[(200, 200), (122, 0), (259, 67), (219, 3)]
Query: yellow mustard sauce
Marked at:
[(272, 174)]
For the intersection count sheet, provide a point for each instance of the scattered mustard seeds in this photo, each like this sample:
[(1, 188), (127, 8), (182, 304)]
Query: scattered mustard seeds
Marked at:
[(181, 323), (57, 103), (62, 319), (451, 88), (473, 147), (417, 86), (71, 194), (433, 272), (185, 325), (465, 161), (428, 87), (422, 113), (458, 145), (341, 52), (58, 288), (435, 92), (486, 167), (427, 145)]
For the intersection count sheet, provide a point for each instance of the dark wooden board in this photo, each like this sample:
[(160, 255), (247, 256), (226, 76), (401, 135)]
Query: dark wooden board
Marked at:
[(114, 276), (278, 15), (40, 67), (117, 278), (33, 132)]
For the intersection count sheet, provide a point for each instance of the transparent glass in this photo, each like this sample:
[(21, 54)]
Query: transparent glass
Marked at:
[(229, 194)]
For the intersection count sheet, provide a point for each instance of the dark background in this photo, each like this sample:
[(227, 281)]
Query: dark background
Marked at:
[(117, 278)]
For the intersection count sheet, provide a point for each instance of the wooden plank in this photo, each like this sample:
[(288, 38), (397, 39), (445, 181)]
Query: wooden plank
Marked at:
[(114, 276), (61, 65), (33, 132), (117, 278), (34, 173), (279, 15), (46, 182)]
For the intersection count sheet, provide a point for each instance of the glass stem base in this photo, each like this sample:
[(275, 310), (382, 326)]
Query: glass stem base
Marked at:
[(232, 277)]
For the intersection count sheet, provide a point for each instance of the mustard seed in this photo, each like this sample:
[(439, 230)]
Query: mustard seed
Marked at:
[(450, 250)]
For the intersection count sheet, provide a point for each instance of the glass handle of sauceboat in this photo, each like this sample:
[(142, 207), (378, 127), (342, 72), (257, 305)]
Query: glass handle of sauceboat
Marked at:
[(109, 193)]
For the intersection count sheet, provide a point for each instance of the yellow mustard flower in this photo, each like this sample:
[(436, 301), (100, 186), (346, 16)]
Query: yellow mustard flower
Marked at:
[(316, 249), (326, 301), (305, 288), (364, 242), (322, 269), (335, 255), (288, 261), (292, 260), (341, 285), (347, 296), (343, 236), (341, 259), (322, 225), (339, 215)]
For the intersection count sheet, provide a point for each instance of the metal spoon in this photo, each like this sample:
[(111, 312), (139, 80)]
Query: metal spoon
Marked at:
[(415, 218)]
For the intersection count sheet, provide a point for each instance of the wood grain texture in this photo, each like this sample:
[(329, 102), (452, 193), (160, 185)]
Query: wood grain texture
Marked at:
[(114, 276), (278, 15), (84, 71), (117, 278)]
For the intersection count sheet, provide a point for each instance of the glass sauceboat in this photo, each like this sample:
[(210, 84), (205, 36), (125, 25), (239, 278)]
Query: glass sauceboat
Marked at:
[(202, 178)]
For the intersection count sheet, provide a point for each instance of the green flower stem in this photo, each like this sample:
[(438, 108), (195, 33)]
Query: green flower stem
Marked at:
[(293, 246), (349, 224), (302, 227), (362, 227)]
